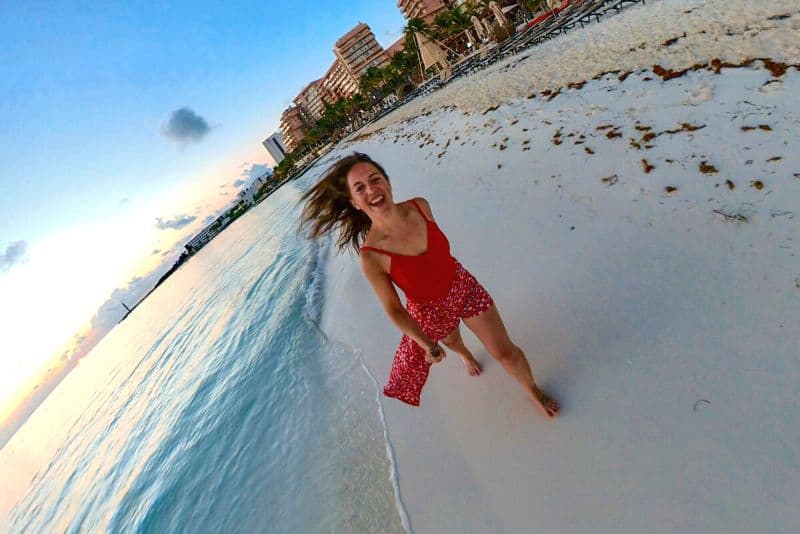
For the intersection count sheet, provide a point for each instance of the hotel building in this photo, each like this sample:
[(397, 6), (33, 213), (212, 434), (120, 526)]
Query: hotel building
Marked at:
[(358, 50), (312, 98), (355, 52), (337, 82), (275, 147), (397, 46), (294, 124), (423, 9)]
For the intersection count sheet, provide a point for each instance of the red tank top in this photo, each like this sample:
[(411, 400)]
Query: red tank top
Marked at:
[(427, 276)]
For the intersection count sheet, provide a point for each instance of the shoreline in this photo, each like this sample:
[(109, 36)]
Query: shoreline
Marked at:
[(639, 237)]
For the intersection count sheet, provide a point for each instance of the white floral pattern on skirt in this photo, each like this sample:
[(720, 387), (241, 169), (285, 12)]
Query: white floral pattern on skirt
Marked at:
[(437, 318)]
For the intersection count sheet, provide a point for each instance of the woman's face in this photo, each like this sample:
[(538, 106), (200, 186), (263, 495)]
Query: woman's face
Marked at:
[(369, 189)]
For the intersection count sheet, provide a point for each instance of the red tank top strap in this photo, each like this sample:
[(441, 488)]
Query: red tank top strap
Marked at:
[(379, 251), (414, 202), (386, 252)]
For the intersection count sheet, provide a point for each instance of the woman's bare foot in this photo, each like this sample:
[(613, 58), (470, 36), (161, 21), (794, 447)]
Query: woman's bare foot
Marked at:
[(548, 404), (472, 365)]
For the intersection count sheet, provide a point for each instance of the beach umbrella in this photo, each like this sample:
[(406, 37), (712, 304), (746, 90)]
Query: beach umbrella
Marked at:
[(498, 13), (479, 28), (473, 42), (431, 54)]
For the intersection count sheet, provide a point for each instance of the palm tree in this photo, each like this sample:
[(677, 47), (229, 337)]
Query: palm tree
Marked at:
[(417, 25), (452, 21), (532, 6), (371, 80)]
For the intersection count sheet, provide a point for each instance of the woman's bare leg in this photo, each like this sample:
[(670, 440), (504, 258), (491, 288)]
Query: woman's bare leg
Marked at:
[(489, 328), (454, 342)]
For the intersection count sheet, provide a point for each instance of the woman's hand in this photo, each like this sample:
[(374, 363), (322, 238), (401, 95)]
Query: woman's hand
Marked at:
[(434, 354)]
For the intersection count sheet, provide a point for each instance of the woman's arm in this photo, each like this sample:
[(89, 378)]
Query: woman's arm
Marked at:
[(387, 295)]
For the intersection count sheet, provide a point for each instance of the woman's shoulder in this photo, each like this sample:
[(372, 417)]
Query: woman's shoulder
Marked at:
[(368, 246), (371, 239), (423, 204), (372, 260)]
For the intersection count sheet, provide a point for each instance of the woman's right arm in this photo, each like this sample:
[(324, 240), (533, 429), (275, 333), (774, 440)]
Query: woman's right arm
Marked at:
[(387, 295)]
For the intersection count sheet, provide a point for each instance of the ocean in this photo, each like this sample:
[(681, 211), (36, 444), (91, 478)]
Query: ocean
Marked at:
[(217, 406)]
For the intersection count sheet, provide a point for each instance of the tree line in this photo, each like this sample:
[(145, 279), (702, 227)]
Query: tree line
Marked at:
[(400, 76)]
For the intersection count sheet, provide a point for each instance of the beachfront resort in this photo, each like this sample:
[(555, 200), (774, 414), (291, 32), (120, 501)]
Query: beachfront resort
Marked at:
[(444, 40)]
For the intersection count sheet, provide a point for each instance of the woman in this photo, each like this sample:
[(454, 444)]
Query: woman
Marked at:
[(401, 245)]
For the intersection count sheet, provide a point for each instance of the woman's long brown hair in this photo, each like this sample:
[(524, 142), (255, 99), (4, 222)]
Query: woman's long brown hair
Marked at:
[(327, 205)]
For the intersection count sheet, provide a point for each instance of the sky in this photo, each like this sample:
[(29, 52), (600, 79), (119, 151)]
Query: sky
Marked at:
[(125, 127)]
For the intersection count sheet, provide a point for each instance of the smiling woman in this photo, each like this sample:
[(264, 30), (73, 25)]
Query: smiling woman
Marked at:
[(401, 246)]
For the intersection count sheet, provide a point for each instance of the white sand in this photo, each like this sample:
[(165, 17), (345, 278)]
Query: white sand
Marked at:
[(635, 305), (731, 30)]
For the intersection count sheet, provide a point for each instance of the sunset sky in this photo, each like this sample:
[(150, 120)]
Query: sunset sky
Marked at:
[(124, 128)]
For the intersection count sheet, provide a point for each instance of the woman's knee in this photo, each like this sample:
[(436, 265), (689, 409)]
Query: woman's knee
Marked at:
[(452, 339), (506, 352)]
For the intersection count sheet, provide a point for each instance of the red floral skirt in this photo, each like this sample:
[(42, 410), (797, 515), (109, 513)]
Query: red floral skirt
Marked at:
[(437, 318)]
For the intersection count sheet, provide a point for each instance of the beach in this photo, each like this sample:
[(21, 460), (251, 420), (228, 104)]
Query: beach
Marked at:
[(637, 227), (629, 195)]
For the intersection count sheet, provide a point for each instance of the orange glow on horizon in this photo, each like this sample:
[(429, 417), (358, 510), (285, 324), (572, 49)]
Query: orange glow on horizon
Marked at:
[(67, 295)]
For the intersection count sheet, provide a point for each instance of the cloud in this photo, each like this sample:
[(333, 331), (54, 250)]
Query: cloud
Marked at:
[(111, 311), (255, 170), (395, 34), (251, 172), (176, 223), (13, 254), (185, 126)]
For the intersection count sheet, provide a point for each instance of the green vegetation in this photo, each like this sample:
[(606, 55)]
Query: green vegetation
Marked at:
[(398, 77)]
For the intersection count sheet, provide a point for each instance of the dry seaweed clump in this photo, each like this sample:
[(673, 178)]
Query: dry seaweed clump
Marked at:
[(777, 69), (717, 64), (667, 74), (707, 168), (764, 127), (670, 42)]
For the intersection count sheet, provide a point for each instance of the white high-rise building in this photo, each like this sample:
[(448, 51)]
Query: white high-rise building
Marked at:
[(275, 147)]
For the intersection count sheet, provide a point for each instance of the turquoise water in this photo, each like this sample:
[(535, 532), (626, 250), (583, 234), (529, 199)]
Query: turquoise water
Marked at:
[(217, 406)]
